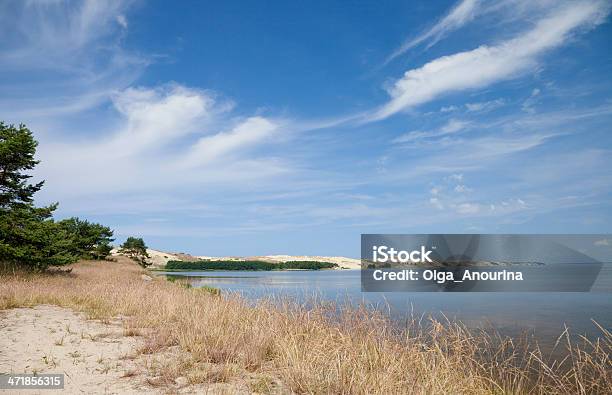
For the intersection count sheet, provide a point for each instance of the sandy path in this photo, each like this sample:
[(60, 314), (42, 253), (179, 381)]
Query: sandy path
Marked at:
[(50, 339)]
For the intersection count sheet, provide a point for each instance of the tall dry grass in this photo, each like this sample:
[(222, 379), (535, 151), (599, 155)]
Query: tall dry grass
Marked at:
[(357, 352)]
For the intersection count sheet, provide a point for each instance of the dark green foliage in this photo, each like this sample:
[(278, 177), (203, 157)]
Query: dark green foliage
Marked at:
[(220, 265), (308, 265), (247, 265), (89, 240), (135, 248), (17, 149), (29, 237)]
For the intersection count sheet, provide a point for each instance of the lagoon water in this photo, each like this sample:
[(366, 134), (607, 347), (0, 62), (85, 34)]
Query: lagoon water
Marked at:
[(543, 314)]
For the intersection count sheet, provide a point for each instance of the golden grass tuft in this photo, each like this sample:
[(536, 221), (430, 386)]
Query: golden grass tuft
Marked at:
[(357, 352)]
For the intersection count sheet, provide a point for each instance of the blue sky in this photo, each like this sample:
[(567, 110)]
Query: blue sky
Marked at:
[(237, 128)]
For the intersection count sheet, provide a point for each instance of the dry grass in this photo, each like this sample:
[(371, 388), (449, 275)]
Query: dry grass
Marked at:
[(286, 348)]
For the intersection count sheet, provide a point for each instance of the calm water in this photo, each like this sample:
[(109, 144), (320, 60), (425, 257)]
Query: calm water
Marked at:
[(543, 314)]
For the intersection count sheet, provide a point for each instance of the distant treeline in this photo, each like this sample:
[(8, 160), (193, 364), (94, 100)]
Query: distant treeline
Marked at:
[(248, 265)]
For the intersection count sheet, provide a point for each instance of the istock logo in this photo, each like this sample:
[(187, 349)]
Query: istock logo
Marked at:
[(384, 254)]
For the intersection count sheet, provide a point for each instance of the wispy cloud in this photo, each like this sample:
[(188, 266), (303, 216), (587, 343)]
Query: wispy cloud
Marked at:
[(531, 101), (43, 32), (486, 143), (462, 13), (484, 106), (486, 65), (73, 51), (250, 132), (451, 127)]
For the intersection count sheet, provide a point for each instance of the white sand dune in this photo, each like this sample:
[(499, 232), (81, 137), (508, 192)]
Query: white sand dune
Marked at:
[(157, 258), (160, 258)]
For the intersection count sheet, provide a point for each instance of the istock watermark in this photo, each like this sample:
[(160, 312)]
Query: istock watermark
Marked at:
[(486, 263), (384, 254)]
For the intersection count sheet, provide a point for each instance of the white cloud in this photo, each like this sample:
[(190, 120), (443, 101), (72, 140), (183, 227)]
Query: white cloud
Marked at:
[(454, 200), (452, 126), (449, 109), (501, 208), (459, 15), (155, 116), (462, 188), (531, 101), (436, 203), (486, 65), (468, 208), (167, 136), (122, 21), (484, 106), (252, 131)]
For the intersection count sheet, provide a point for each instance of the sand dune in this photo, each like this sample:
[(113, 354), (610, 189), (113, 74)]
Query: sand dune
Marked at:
[(156, 258), (159, 259)]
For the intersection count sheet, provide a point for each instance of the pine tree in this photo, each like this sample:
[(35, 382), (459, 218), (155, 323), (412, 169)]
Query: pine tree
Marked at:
[(135, 248), (29, 237), (17, 149), (88, 240)]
